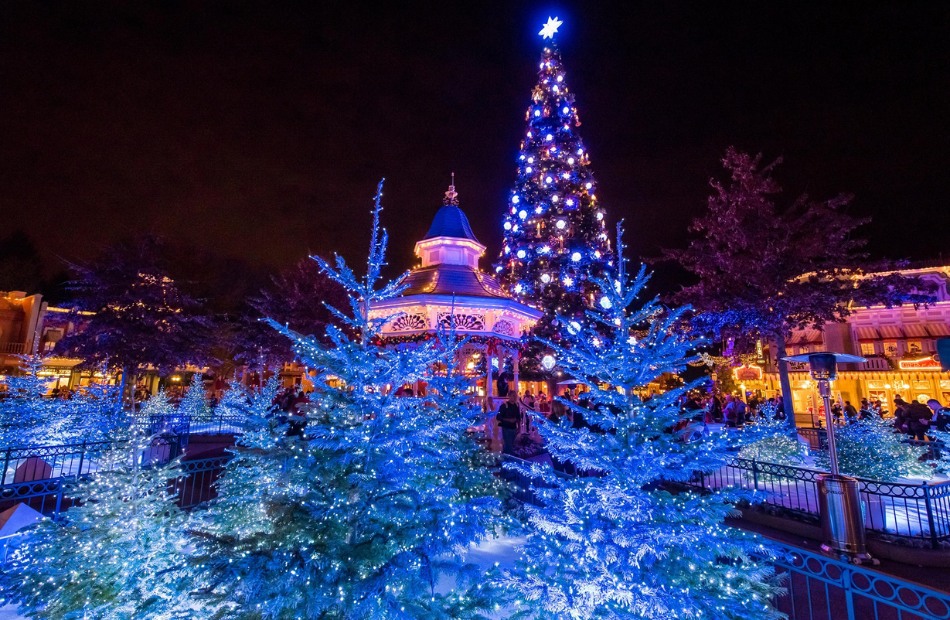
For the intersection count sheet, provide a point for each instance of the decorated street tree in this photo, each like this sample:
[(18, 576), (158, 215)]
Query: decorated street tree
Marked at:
[(555, 238), (139, 315), (118, 552), (764, 269), (621, 540), (366, 514)]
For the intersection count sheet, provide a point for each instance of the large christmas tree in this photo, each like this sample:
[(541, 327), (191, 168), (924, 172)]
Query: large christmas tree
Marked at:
[(555, 236)]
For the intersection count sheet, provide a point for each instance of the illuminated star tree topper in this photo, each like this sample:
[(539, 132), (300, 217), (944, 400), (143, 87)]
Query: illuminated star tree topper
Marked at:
[(550, 28)]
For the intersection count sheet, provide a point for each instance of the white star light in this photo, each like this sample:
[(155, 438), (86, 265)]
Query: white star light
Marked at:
[(550, 28)]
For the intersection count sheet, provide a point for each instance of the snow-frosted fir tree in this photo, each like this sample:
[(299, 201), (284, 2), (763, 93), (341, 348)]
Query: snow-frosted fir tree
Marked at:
[(118, 552), (941, 452), (778, 446), (159, 415), (623, 541), (27, 415), (555, 238), (195, 402), (871, 449), (368, 513), (96, 414), (235, 402)]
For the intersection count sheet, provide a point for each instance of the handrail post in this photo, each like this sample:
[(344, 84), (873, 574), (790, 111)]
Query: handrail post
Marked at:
[(6, 465), (930, 515), (59, 499), (755, 475), (82, 455)]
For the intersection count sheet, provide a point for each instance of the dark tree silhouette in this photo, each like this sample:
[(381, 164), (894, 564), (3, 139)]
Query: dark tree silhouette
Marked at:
[(297, 297), (140, 315), (765, 270)]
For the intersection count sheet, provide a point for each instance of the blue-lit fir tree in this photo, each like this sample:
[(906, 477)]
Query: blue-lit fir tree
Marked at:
[(195, 402), (29, 415), (872, 449), (118, 552), (367, 514), (555, 241), (623, 540)]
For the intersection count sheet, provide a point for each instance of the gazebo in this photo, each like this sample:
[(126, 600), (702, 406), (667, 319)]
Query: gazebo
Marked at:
[(448, 291)]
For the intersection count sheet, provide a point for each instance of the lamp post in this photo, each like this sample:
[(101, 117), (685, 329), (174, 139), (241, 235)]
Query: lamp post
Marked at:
[(839, 505)]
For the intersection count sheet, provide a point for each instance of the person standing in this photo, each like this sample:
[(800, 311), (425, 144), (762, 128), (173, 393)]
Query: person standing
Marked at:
[(850, 412), (941, 416), (918, 417), (509, 419)]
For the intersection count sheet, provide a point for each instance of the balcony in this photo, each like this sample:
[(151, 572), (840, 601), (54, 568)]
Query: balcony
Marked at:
[(11, 348), (875, 363)]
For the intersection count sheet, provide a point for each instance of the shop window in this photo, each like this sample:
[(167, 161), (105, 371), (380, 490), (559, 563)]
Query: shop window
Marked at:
[(890, 349), (867, 348), (914, 347)]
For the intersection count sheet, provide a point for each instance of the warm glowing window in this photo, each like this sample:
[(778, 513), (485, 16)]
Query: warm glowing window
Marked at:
[(867, 348)]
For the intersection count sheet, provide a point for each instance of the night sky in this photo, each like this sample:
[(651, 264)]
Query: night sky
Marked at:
[(260, 129)]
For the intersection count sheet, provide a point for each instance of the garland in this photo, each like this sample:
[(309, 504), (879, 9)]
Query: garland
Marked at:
[(491, 343)]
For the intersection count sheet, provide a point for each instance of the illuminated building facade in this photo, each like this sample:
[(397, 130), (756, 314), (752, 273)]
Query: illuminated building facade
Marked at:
[(899, 344)]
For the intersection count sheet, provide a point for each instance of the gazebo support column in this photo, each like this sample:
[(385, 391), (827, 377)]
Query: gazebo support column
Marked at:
[(515, 359), (489, 381)]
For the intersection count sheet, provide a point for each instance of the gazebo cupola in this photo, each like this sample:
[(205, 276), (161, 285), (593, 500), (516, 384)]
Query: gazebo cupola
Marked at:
[(450, 240)]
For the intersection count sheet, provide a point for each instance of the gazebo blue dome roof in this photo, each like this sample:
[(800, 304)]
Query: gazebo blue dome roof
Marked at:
[(450, 221)]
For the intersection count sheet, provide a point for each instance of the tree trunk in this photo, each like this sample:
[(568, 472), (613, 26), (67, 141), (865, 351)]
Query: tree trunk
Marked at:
[(784, 380)]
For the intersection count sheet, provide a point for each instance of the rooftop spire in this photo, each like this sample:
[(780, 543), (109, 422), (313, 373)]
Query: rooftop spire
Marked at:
[(451, 196)]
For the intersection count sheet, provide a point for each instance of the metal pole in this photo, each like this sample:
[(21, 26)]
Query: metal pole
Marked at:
[(824, 388)]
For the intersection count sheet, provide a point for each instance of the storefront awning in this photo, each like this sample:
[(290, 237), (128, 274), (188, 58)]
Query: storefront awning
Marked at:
[(891, 332), (866, 333), (805, 336), (938, 330), (915, 330)]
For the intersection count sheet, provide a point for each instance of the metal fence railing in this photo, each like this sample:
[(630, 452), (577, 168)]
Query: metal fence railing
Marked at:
[(28, 463), (823, 588), (186, 425), (817, 587), (198, 480), (911, 512)]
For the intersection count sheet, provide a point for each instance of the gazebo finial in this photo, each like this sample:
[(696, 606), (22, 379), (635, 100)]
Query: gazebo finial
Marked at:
[(451, 196)]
